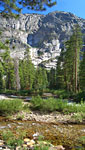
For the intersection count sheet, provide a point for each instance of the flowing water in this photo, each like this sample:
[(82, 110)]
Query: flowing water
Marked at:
[(68, 135)]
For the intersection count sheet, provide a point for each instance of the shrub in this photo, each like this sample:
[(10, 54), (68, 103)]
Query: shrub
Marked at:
[(74, 108), (41, 147), (36, 103), (80, 96), (48, 105), (62, 93), (10, 106), (52, 104), (78, 117), (11, 139)]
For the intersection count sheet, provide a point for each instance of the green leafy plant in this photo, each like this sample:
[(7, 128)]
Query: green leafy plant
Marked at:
[(41, 147), (78, 117), (11, 139), (10, 106)]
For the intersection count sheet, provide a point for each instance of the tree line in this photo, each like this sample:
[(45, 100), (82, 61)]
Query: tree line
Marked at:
[(69, 74)]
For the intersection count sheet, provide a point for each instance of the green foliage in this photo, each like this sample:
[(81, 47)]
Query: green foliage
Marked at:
[(80, 96), (82, 140), (1, 76), (10, 106), (52, 78), (82, 73), (8, 67), (75, 108), (10, 5), (3, 46), (68, 63), (47, 105), (41, 147), (36, 102), (51, 104), (26, 72), (11, 139), (40, 81), (62, 94), (79, 117)]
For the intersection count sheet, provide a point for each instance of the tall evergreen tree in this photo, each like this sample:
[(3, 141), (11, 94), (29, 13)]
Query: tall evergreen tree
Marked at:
[(72, 59), (1, 75), (82, 72), (52, 78), (60, 71), (27, 72), (78, 45), (8, 69), (40, 82)]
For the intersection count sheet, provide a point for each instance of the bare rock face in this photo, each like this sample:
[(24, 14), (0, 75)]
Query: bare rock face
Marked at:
[(43, 34)]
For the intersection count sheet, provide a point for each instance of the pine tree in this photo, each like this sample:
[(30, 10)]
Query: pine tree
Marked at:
[(8, 70), (52, 78), (16, 73), (82, 72), (78, 45), (1, 76), (72, 60), (60, 71), (27, 72), (40, 82), (7, 6)]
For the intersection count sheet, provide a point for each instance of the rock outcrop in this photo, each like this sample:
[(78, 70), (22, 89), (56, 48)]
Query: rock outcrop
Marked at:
[(44, 34)]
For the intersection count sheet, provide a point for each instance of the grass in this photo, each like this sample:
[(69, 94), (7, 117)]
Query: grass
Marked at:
[(8, 107), (11, 139), (78, 117), (51, 104)]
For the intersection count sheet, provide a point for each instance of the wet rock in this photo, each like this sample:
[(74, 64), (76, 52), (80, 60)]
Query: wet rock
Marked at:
[(28, 143), (18, 147), (26, 140), (1, 143), (3, 127), (35, 136), (59, 147), (24, 145), (9, 125)]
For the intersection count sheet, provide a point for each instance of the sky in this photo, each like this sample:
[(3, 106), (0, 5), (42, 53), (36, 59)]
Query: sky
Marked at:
[(77, 7)]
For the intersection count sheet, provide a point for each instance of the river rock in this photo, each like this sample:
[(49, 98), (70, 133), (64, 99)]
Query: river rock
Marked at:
[(31, 143), (35, 136), (26, 140), (59, 147), (1, 143)]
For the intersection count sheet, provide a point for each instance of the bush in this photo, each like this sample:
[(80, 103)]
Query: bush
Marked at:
[(62, 93), (11, 139), (48, 105), (41, 147), (75, 108), (10, 106), (36, 103), (80, 96), (78, 117), (52, 104)]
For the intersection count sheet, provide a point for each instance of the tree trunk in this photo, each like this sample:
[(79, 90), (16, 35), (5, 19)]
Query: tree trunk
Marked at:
[(17, 78), (76, 69)]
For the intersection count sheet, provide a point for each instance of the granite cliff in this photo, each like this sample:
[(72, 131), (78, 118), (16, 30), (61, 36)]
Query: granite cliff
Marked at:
[(44, 34)]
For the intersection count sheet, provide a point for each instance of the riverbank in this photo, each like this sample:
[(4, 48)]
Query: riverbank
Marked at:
[(62, 130), (54, 117)]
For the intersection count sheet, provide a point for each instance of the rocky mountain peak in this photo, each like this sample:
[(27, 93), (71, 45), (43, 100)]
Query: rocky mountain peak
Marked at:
[(44, 34)]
